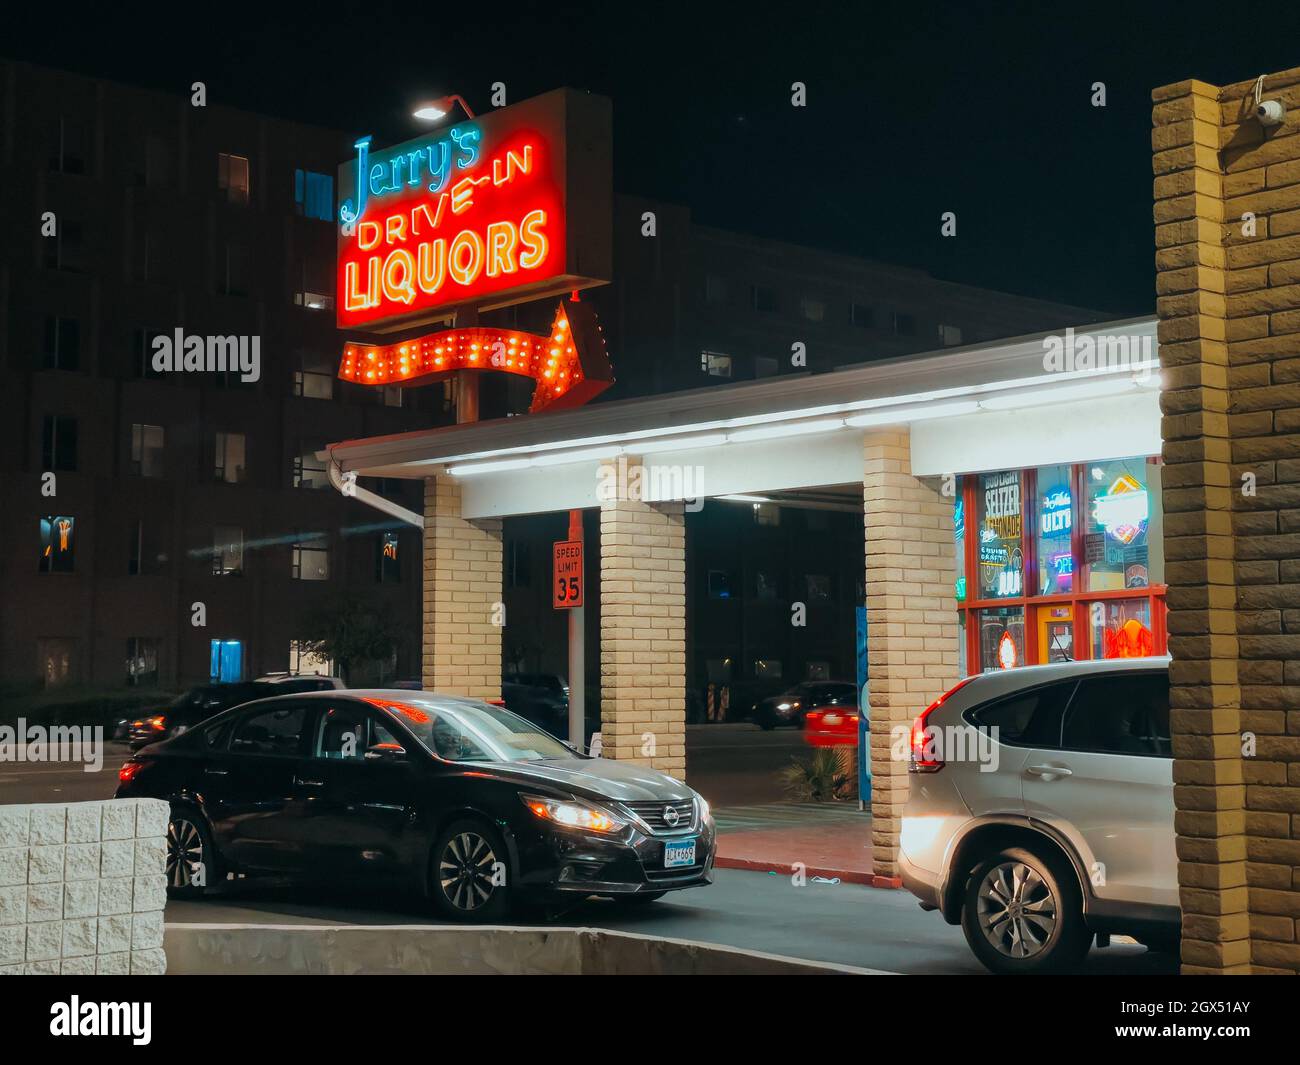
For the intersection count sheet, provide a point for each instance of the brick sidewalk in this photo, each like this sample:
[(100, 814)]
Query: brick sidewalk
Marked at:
[(828, 839)]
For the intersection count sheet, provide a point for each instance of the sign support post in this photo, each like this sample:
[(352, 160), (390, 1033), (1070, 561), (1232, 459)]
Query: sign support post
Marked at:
[(568, 589)]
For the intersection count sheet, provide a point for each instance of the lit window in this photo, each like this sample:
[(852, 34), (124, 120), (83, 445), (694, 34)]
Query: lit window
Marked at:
[(388, 568), (813, 310), (313, 195), (767, 669), (57, 543), (949, 335), (142, 660), (309, 471), (303, 662), (227, 661), (715, 364), (1119, 504), (1055, 531), (311, 560), (1000, 559), (227, 551), (311, 384), (232, 177)]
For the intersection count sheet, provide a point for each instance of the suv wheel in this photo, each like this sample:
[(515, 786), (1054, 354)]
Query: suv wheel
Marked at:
[(1021, 915), (193, 865)]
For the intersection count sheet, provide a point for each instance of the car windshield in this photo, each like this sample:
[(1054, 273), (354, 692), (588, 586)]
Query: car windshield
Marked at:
[(474, 732)]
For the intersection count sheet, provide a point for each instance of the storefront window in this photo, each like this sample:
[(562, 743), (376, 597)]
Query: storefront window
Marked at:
[(959, 536), (1000, 556), (1054, 527), (1121, 628), (1002, 638), (1117, 520)]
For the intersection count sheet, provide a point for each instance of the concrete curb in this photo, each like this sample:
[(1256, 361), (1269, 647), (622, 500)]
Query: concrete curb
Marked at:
[(848, 876), (297, 949)]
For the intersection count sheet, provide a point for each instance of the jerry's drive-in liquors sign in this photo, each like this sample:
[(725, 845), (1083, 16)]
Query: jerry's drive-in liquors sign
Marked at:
[(515, 205)]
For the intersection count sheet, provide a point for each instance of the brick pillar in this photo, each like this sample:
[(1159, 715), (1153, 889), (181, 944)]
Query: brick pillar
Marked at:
[(911, 618), (1227, 211), (643, 631), (463, 612)]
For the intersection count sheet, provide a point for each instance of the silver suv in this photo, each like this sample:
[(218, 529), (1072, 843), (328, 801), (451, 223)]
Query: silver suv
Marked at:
[(1041, 811)]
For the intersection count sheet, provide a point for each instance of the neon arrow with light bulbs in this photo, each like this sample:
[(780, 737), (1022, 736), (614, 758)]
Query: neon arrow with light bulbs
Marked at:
[(571, 366)]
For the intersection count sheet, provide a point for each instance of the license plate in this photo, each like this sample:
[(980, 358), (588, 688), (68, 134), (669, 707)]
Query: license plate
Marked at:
[(679, 853)]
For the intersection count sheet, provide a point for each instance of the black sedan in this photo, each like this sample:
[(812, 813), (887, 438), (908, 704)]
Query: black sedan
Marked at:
[(792, 706), (463, 801)]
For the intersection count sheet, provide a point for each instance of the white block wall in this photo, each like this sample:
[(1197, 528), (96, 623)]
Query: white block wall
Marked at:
[(83, 886)]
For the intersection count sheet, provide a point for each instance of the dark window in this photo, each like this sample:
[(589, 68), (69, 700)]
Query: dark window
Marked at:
[(519, 573), (133, 561), (142, 343), (1028, 718), (63, 251), (719, 584), (764, 298), (69, 142), (214, 737), (1122, 714), (860, 315), (234, 280), (277, 731), (62, 350), (904, 324), (141, 660), (232, 177), (59, 443), (313, 195)]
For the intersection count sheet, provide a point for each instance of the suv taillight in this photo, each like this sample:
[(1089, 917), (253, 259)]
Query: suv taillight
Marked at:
[(919, 761)]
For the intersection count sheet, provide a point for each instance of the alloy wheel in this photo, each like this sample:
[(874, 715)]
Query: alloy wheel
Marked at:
[(1017, 910), (184, 852), (465, 871)]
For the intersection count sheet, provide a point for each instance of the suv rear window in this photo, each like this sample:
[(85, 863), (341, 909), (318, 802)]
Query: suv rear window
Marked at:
[(1126, 713), (1030, 718)]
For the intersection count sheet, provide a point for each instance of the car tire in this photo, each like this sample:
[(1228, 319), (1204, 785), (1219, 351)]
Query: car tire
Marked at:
[(1022, 914), (190, 848), (469, 872)]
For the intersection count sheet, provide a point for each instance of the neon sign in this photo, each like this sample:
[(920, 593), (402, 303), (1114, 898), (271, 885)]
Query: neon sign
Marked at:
[(569, 366), (512, 206), (1124, 511)]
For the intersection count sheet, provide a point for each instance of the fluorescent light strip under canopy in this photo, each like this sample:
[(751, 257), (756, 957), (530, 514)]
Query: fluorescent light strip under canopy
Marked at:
[(888, 411)]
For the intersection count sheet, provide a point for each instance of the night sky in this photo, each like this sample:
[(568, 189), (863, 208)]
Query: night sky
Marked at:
[(913, 109)]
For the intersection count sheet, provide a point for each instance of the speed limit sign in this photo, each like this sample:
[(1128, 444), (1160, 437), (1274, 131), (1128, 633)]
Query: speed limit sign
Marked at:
[(566, 581)]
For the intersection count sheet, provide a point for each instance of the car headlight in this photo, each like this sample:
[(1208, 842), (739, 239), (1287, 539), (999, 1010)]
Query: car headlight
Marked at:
[(570, 813), (704, 808)]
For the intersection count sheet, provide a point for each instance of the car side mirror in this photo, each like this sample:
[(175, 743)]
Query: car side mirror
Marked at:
[(386, 752)]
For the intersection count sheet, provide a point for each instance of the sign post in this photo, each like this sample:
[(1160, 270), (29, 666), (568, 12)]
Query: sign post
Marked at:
[(568, 585)]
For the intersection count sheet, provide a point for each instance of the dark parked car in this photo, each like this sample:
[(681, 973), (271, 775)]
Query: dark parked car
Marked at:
[(542, 698), (790, 707), (207, 700), (463, 801)]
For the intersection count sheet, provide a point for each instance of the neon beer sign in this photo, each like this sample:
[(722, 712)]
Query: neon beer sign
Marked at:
[(484, 213)]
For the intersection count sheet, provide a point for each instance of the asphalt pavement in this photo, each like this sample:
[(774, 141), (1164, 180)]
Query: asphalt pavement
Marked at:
[(842, 923)]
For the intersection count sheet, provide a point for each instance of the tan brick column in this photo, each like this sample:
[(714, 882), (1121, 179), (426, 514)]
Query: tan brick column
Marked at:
[(462, 596), (911, 618), (1227, 212), (643, 632)]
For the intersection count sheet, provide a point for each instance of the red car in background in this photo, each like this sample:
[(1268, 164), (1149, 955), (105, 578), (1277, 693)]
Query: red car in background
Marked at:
[(831, 726)]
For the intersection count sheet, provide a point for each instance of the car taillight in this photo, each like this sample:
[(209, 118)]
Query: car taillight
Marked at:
[(128, 770), (919, 761), (158, 723), (497, 702)]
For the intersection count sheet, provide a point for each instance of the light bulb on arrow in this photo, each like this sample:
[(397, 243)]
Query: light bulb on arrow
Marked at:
[(570, 366)]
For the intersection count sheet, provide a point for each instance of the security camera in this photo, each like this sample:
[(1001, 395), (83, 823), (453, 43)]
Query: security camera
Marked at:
[(1270, 112)]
